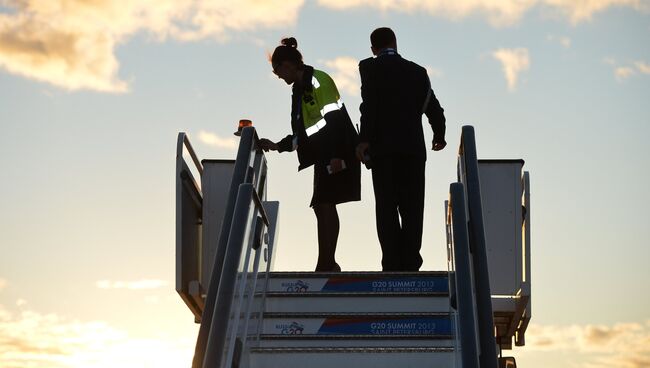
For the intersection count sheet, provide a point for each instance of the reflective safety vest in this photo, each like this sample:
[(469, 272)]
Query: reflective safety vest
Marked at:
[(322, 99)]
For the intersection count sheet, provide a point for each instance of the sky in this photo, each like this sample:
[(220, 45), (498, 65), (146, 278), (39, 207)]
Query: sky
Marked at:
[(94, 93)]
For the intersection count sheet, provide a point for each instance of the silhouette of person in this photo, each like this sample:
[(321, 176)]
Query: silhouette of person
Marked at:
[(323, 135), (395, 93)]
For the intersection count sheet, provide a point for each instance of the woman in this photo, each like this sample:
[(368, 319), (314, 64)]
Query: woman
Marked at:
[(324, 137)]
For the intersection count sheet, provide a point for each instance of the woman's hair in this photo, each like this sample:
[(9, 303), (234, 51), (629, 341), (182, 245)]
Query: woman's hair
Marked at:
[(287, 51)]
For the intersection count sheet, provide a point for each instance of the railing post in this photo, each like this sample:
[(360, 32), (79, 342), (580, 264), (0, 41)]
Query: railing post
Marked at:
[(462, 274), (240, 173), (218, 327), (487, 342)]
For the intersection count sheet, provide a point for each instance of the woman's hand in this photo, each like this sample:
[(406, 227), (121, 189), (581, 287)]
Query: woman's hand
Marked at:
[(336, 165), (267, 145)]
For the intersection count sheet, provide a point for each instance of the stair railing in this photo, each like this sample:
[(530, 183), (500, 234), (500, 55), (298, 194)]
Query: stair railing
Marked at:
[(189, 205), (468, 174), (460, 277), (221, 340), (468, 260)]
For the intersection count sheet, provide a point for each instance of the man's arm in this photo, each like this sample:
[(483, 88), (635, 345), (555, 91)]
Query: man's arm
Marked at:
[(435, 114), (368, 107)]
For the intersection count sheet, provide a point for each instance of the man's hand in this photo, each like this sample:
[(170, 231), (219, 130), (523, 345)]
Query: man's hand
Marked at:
[(437, 146), (336, 165), (361, 151), (267, 145)]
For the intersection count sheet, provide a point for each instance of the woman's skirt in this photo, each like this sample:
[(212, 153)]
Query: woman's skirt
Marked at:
[(343, 186)]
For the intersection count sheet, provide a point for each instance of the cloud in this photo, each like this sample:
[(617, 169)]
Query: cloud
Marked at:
[(642, 67), (3, 284), (499, 13), (216, 19), (623, 72), (345, 72), (434, 72), (579, 11), (562, 40), (31, 339), (622, 345), (214, 140), (131, 285), (71, 43), (513, 61)]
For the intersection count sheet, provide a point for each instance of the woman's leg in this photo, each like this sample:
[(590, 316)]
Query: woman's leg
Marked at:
[(327, 219)]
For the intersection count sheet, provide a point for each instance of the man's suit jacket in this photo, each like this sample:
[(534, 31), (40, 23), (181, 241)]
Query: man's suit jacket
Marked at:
[(395, 93)]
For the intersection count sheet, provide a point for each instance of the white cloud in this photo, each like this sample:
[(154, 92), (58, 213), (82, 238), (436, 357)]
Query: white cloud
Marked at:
[(132, 285), (21, 302), (642, 67), (513, 61), (71, 43), (3, 284), (565, 41), (609, 61), (31, 339), (434, 72), (214, 140), (562, 40), (498, 12), (623, 72), (345, 72), (584, 10), (622, 345)]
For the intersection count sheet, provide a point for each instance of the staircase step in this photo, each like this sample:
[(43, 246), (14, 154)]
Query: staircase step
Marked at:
[(358, 282), (377, 357), (269, 341), (357, 324), (326, 302)]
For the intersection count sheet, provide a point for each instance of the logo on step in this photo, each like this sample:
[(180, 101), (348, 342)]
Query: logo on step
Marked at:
[(293, 328), (296, 287)]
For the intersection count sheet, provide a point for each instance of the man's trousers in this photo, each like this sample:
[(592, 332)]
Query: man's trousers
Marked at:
[(398, 183)]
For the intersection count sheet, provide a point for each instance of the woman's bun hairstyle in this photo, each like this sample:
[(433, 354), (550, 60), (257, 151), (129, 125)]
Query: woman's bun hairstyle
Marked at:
[(290, 41), (287, 51)]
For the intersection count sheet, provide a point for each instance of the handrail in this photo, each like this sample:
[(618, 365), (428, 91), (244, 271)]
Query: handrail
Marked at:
[(242, 173), (520, 339), (526, 182), (219, 326), (189, 204), (462, 276), (468, 174), (184, 141)]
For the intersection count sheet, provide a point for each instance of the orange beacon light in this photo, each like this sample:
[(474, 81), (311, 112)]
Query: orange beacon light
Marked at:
[(242, 124)]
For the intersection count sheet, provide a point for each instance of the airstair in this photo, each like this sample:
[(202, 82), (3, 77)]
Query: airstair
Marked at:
[(253, 316)]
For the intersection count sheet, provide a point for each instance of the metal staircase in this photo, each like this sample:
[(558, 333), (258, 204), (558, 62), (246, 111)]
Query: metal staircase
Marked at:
[(251, 317), (351, 318)]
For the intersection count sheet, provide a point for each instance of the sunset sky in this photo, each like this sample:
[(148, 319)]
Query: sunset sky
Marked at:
[(93, 94)]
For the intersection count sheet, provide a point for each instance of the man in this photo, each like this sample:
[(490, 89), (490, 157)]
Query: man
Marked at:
[(395, 93)]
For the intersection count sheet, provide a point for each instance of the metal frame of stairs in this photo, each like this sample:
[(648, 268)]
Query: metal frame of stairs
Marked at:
[(253, 318)]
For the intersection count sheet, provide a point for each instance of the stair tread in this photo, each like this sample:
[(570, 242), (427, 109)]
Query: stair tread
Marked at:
[(357, 293), (356, 337), (357, 349), (361, 274), (353, 314)]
